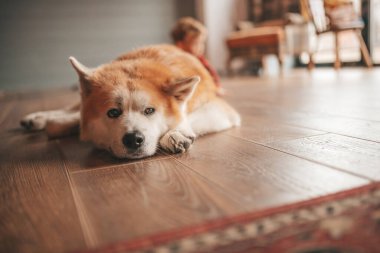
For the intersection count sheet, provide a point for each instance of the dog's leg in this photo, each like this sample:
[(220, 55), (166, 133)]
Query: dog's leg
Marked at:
[(212, 117), (178, 140), (56, 122), (63, 125)]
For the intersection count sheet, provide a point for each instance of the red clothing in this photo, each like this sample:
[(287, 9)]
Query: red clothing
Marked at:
[(210, 69)]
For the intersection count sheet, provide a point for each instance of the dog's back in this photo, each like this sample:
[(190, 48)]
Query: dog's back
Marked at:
[(169, 61)]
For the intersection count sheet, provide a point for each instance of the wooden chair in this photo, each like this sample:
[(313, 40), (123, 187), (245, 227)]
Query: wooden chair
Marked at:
[(323, 23)]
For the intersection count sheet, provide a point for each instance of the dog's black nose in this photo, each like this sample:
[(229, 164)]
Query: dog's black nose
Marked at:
[(133, 140)]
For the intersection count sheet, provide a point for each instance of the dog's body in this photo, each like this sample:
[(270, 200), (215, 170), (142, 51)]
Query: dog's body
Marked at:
[(150, 97)]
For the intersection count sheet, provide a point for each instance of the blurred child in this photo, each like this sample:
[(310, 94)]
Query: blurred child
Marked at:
[(190, 35)]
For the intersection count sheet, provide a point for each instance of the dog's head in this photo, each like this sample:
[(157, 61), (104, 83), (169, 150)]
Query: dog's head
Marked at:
[(126, 108)]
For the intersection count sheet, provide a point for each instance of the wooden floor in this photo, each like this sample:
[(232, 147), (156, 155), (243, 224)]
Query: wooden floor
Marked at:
[(303, 135)]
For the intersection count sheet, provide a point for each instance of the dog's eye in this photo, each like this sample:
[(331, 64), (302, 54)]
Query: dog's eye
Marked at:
[(149, 111), (114, 113)]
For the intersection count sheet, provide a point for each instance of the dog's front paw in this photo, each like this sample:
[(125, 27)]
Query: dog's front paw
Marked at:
[(34, 121), (176, 142)]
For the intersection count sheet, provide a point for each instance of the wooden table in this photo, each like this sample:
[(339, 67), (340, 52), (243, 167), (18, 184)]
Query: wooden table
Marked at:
[(256, 43)]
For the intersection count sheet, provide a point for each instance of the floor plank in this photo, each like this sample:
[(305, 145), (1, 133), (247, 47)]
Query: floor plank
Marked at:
[(322, 122), (351, 93), (260, 176), (349, 154), (362, 129), (146, 197), (37, 210), (265, 130)]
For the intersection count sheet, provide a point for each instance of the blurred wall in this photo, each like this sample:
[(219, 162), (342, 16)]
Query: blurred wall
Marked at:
[(38, 36), (220, 18)]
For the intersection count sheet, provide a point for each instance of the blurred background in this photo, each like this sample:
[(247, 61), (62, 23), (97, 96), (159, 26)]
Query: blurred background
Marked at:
[(37, 37)]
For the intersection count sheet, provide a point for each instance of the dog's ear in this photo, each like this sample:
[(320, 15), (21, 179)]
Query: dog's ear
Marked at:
[(84, 73), (183, 89)]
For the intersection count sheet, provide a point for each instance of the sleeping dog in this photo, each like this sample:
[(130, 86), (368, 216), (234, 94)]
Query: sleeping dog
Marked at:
[(157, 96)]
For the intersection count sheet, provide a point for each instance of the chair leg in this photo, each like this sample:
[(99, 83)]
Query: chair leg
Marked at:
[(228, 65), (364, 49), (280, 63), (311, 53), (337, 63), (311, 63), (264, 65)]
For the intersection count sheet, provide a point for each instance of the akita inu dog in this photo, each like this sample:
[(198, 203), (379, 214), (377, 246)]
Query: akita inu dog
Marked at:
[(152, 97)]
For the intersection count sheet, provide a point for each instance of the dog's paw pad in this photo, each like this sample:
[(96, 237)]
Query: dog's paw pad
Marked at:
[(27, 124), (181, 146), (175, 142), (186, 145), (191, 138), (34, 121)]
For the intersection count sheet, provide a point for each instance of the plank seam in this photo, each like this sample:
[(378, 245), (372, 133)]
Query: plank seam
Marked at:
[(89, 236), (307, 159)]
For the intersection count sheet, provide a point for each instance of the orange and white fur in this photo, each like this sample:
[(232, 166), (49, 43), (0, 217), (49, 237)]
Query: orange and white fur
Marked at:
[(152, 97)]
